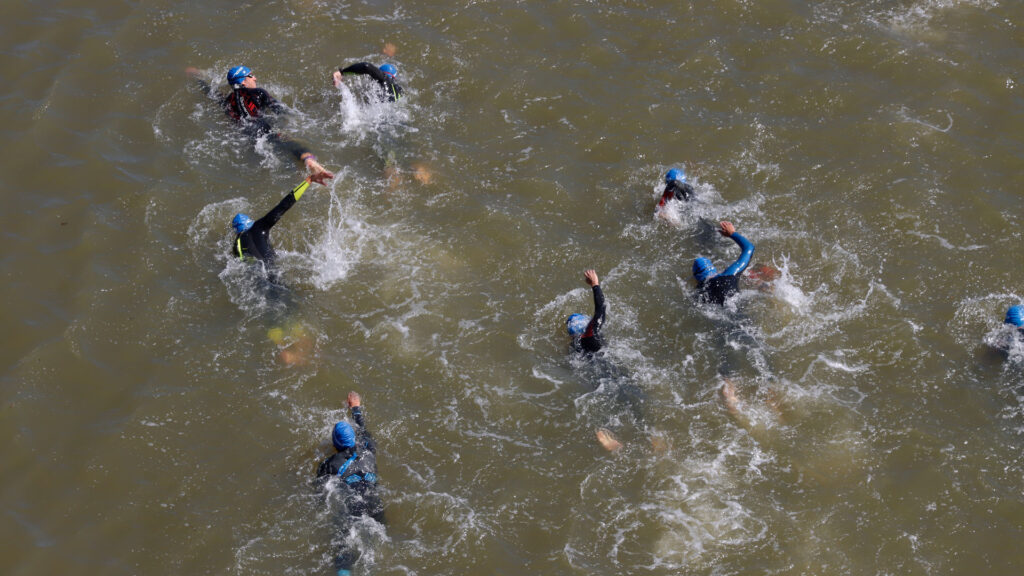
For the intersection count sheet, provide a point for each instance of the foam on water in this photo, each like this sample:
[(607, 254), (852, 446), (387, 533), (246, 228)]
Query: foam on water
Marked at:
[(917, 18), (361, 115)]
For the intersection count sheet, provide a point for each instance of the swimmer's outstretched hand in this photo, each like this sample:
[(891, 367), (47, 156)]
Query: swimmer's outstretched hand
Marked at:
[(337, 78), (389, 50), (354, 400), (321, 177), (726, 228), (192, 72), (318, 173), (591, 278)]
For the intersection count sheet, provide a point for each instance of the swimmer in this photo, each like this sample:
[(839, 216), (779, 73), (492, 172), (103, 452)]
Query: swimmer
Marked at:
[(389, 90), (715, 287), (251, 106), (586, 330), (587, 340), (353, 469), (252, 237), (676, 188)]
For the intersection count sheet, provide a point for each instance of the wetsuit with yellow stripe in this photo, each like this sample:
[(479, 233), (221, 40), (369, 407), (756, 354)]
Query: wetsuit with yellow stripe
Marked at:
[(389, 90), (254, 243)]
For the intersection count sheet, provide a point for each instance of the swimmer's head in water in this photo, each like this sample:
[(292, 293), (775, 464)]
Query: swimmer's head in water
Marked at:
[(1015, 316), (241, 222), (703, 269), (238, 74), (390, 70), (343, 436), (576, 324), (675, 174)]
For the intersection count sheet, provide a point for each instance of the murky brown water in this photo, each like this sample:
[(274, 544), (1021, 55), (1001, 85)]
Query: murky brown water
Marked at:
[(871, 150)]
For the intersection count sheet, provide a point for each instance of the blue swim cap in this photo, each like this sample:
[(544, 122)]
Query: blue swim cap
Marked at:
[(390, 70), (703, 269), (237, 74), (576, 324), (675, 174), (343, 436), (1015, 316), (241, 222)]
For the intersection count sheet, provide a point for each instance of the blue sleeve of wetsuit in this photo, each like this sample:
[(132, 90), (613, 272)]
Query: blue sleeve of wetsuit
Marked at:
[(741, 263)]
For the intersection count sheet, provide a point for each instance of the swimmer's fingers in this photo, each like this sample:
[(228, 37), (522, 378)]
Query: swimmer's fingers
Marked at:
[(321, 177)]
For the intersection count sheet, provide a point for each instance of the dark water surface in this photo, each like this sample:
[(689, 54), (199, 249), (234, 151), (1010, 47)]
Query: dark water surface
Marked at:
[(871, 150)]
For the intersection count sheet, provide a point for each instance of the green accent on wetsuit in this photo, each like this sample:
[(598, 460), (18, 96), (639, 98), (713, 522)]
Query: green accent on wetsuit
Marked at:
[(255, 242)]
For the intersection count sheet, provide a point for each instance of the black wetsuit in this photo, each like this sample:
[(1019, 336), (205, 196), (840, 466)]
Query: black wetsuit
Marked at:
[(255, 242), (718, 289), (356, 470), (390, 91), (591, 341), (676, 189)]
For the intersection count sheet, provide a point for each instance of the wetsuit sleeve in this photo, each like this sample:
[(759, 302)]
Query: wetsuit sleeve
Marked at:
[(324, 469), (682, 191), (204, 86), (290, 145), (364, 435), (368, 69), (594, 327), (741, 263), (265, 100), (287, 202)]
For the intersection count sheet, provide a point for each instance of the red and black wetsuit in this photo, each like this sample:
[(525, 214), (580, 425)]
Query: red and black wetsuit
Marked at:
[(676, 189), (389, 90), (249, 106), (591, 340), (254, 103)]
